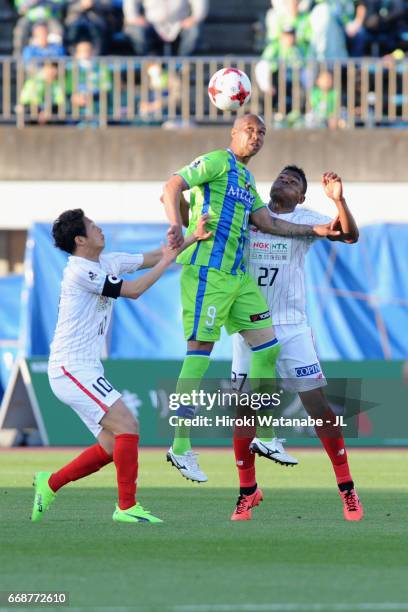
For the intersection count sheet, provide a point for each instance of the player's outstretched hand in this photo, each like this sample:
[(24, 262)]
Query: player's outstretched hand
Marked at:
[(332, 185), (175, 236), (168, 254), (325, 231), (201, 232)]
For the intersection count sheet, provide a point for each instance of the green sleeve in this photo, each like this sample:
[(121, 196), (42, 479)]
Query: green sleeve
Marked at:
[(205, 169), (257, 204)]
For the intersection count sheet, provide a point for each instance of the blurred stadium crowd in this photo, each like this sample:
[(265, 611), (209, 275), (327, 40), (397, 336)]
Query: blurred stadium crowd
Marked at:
[(295, 30), (286, 37)]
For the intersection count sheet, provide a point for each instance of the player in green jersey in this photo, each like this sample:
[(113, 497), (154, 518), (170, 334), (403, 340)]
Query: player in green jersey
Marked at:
[(216, 289)]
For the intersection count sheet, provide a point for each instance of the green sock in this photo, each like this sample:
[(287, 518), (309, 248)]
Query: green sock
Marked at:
[(265, 432), (194, 368), (262, 374)]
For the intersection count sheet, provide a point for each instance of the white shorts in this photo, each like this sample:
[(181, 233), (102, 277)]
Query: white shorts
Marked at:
[(86, 391), (297, 366)]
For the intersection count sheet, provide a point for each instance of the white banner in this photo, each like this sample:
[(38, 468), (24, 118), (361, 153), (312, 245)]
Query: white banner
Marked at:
[(23, 203)]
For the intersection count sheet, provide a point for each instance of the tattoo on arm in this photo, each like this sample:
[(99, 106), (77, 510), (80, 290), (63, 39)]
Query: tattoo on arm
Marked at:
[(284, 228)]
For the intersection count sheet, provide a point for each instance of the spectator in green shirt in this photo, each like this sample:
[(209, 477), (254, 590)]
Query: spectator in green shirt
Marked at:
[(284, 50), (87, 77), (43, 92), (323, 102)]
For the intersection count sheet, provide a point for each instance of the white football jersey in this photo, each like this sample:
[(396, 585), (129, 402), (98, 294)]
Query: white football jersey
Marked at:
[(277, 264), (85, 308)]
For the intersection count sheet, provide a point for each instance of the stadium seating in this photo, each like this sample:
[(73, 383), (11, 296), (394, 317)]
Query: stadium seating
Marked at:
[(234, 27), (8, 18)]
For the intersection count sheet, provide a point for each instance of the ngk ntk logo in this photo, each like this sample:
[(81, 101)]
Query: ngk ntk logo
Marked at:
[(270, 250)]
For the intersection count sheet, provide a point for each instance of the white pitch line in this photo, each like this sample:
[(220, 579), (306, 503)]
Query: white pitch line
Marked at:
[(293, 607)]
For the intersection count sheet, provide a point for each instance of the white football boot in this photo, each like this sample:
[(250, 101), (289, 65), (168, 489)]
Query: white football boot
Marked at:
[(272, 450), (187, 465)]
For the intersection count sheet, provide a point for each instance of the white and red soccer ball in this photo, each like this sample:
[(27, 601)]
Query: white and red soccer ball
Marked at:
[(229, 89)]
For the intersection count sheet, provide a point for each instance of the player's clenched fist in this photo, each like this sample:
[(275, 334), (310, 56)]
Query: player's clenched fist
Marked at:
[(168, 254), (175, 236)]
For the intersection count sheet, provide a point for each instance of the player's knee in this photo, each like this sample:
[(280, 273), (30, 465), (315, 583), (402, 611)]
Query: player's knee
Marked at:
[(129, 425), (256, 337), (200, 345)]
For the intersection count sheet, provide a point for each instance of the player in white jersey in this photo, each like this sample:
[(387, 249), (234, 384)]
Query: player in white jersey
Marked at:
[(91, 282), (277, 264)]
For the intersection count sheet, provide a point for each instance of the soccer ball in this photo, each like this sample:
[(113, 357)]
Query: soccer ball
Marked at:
[(229, 89)]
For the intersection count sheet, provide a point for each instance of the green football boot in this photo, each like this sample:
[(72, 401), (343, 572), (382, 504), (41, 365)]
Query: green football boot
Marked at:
[(43, 496), (135, 514)]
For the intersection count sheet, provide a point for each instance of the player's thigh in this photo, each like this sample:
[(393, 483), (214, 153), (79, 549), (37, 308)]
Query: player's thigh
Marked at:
[(241, 361), (298, 364), (88, 393), (206, 295), (249, 313)]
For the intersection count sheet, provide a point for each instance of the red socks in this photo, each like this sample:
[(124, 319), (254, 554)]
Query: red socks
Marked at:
[(125, 456), (244, 459), (335, 448), (333, 442), (91, 460)]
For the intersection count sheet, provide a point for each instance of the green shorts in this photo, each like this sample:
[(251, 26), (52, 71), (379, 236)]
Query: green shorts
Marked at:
[(212, 298)]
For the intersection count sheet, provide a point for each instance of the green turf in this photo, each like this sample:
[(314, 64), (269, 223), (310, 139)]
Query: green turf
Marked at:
[(297, 549)]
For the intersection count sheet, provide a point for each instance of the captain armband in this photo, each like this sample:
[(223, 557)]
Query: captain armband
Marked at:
[(112, 286)]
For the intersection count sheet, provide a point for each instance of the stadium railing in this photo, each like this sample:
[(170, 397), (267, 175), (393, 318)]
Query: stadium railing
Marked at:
[(173, 91)]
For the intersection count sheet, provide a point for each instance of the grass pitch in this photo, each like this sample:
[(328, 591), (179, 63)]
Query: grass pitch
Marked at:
[(296, 555)]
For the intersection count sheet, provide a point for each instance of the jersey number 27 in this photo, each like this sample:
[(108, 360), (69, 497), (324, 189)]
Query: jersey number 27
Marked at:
[(265, 276)]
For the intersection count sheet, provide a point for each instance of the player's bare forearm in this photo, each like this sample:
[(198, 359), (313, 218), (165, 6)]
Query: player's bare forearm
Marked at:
[(347, 223), (184, 210), (270, 225), (171, 200), (200, 233), (151, 258), (333, 188), (134, 289)]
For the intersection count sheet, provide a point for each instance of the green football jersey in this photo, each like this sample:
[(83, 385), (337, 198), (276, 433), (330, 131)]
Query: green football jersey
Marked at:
[(224, 188)]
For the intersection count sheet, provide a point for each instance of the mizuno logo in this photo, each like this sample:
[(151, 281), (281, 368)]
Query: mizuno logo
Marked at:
[(243, 195)]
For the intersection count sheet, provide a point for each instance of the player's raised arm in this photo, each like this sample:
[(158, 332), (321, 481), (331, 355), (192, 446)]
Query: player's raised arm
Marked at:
[(270, 225), (134, 289), (171, 200), (333, 188), (200, 171), (184, 209), (151, 258)]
